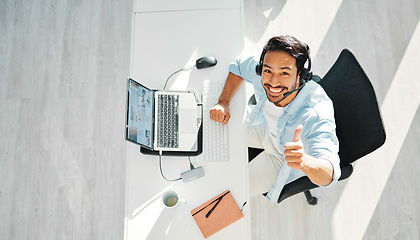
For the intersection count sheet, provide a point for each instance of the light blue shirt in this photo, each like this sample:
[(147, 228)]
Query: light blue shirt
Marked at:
[(311, 107)]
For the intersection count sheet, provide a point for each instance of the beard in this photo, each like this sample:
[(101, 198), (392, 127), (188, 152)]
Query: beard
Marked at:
[(276, 94)]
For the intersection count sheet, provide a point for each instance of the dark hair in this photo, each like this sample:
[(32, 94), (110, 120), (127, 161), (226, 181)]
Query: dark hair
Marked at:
[(289, 44)]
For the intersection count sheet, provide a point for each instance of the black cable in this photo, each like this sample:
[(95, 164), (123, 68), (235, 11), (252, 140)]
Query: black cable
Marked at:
[(191, 165)]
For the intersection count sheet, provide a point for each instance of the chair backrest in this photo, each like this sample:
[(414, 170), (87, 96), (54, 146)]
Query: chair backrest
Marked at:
[(359, 125)]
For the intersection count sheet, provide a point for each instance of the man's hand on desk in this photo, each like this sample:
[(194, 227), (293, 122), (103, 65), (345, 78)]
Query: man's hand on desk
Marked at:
[(220, 113)]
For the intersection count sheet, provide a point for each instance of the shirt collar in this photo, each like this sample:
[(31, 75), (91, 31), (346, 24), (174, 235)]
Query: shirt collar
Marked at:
[(297, 103)]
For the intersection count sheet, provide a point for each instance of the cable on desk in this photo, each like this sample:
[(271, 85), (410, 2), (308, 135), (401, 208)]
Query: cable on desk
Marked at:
[(196, 95), (191, 165), (182, 69), (161, 172)]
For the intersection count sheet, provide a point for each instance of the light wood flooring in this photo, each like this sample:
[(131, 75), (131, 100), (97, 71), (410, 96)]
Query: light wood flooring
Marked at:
[(63, 66)]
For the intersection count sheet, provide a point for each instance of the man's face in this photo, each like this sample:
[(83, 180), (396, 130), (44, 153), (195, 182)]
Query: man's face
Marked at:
[(279, 75)]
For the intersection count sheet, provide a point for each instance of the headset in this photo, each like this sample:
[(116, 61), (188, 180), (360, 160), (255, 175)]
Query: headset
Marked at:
[(305, 74)]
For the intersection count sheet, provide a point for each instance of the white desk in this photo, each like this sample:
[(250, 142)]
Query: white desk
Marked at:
[(163, 42)]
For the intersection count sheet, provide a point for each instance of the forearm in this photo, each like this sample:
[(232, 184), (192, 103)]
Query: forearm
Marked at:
[(319, 171), (232, 84)]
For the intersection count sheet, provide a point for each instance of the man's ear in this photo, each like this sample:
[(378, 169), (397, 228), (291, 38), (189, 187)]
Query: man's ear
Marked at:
[(299, 78)]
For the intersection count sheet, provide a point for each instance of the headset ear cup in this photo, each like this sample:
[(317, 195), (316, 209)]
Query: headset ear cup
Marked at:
[(258, 69), (306, 74)]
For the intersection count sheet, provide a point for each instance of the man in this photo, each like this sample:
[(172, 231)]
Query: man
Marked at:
[(293, 121)]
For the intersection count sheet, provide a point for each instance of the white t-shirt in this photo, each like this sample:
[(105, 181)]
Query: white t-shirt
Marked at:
[(272, 113)]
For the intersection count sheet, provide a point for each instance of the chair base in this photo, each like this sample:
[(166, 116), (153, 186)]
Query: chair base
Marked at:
[(310, 199)]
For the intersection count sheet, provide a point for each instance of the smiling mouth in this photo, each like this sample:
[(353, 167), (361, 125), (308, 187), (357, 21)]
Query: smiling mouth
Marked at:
[(276, 91)]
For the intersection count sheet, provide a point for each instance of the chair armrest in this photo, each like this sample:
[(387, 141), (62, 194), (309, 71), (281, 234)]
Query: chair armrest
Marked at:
[(304, 184), (346, 171)]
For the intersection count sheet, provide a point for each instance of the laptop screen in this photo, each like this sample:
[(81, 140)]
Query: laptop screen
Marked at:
[(140, 114)]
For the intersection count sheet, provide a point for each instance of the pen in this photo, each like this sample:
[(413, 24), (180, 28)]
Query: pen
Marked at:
[(215, 205), (215, 200)]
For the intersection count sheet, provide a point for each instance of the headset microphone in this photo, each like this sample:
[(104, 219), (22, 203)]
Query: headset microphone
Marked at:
[(286, 94)]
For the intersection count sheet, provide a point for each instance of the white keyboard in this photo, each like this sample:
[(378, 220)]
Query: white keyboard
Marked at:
[(215, 136)]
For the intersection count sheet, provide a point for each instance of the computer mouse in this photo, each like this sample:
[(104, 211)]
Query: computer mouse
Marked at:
[(205, 62)]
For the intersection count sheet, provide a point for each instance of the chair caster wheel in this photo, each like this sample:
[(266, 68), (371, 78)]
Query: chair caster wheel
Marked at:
[(310, 199), (314, 201)]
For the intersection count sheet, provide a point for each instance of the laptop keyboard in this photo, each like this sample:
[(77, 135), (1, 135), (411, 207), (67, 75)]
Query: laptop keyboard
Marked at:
[(167, 117)]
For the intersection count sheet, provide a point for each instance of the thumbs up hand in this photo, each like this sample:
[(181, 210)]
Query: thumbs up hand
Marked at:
[(294, 154), (298, 131)]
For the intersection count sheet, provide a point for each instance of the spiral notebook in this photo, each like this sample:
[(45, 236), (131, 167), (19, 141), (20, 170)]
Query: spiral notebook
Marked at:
[(217, 213)]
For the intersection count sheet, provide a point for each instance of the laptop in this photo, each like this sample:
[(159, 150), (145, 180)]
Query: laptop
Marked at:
[(161, 120)]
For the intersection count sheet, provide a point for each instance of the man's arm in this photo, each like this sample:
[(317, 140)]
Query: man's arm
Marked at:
[(220, 112), (319, 171)]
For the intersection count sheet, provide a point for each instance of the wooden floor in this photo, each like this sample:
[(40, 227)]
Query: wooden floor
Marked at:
[(63, 66)]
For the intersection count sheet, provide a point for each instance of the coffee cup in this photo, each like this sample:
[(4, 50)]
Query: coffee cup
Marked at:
[(171, 198)]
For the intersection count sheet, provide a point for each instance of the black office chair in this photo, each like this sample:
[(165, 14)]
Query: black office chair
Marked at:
[(359, 125)]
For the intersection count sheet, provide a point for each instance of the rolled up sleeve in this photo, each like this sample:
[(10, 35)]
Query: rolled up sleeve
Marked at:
[(323, 144)]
